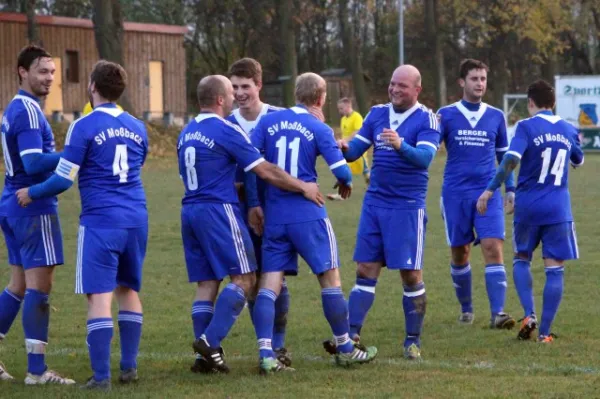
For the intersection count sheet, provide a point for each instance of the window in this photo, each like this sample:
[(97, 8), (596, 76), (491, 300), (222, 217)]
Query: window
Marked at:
[(72, 66)]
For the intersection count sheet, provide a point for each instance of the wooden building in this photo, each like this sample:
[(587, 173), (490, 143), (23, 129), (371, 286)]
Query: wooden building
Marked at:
[(154, 60)]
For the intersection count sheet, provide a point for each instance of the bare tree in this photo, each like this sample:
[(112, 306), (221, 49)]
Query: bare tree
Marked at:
[(435, 44), (289, 64), (108, 30), (33, 35)]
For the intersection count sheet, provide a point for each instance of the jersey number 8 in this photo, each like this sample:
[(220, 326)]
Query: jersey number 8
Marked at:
[(190, 168)]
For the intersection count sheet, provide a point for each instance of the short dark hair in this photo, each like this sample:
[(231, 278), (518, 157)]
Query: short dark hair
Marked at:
[(247, 68), (110, 79), (468, 65), (209, 89), (542, 94), (28, 55), (345, 100)]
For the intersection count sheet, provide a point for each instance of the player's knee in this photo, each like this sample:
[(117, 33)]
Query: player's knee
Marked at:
[(17, 286), (330, 278), (492, 250), (460, 255), (245, 281), (368, 270), (411, 277), (521, 256)]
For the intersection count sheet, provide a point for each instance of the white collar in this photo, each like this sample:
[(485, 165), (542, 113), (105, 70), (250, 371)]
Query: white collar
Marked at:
[(205, 115), (396, 119), (473, 117), (550, 118)]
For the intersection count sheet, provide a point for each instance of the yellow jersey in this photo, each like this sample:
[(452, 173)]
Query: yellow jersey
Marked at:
[(350, 124), (88, 108)]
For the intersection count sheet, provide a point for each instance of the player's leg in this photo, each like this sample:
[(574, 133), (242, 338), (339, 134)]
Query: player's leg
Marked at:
[(12, 296), (315, 241), (525, 240), (368, 254), (98, 251), (41, 251), (555, 250), (129, 280), (490, 230), (279, 257), (224, 228), (10, 303), (269, 289), (404, 252), (199, 272), (458, 223)]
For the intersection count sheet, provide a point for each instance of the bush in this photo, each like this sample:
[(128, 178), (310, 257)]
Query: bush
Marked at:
[(162, 140)]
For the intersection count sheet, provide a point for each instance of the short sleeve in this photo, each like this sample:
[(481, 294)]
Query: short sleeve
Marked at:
[(365, 134), (27, 129), (238, 145), (502, 137), (328, 148), (519, 143), (429, 134)]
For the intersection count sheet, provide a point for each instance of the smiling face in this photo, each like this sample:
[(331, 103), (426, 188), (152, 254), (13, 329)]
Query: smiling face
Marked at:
[(404, 87), (38, 79), (474, 85), (246, 91)]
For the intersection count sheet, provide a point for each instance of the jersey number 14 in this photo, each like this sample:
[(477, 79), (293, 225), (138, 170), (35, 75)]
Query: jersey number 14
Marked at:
[(558, 167)]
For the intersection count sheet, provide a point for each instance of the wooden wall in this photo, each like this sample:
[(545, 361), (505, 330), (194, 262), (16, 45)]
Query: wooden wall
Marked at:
[(139, 48)]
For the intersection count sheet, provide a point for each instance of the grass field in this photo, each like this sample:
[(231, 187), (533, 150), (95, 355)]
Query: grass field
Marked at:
[(458, 361)]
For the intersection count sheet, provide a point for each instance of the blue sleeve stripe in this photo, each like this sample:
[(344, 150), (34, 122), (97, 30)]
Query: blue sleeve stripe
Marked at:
[(31, 151), (364, 140), (514, 153), (338, 164)]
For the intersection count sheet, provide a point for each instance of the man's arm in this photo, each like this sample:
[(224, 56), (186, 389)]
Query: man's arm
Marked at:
[(577, 158), (61, 180), (509, 182), (501, 148), (276, 176), (29, 142)]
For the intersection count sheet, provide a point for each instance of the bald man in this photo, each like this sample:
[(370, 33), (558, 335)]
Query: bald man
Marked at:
[(209, 150), (293, 139), (391, 230)]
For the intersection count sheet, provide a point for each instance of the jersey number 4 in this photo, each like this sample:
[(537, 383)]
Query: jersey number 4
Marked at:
[(120, 165), (558, 167), (294, 147)]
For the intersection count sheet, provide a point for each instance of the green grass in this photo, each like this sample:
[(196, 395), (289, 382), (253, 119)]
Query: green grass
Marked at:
[(458, 361)]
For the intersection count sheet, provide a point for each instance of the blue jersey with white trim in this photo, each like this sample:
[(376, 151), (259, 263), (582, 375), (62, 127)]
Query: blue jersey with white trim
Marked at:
[(248, 126), (108, 148), (293, 139), (545, 144), (472, 139), (209, 149), (25, 130), (395, 182)]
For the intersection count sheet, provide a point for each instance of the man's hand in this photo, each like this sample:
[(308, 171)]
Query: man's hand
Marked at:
[(343, 144), (256, 220), (482, 202), (509, 202), (391, 137), (23, 197), (344, 190), (311, 192)]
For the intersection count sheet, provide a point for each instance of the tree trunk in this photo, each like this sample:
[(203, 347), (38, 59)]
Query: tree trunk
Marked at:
[(289, 65), (435, 43), (108, 31), (33, 35), (349, 42)]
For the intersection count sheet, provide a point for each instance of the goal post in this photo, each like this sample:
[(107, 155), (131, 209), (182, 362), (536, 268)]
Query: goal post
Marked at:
[(515, 109)]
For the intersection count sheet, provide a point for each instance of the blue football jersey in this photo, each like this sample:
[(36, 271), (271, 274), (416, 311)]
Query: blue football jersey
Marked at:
[(545, 144), (209, 149), (248, 126), (293, 139), (25, 130), (111, 147), (472, 139), (395, 182)]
